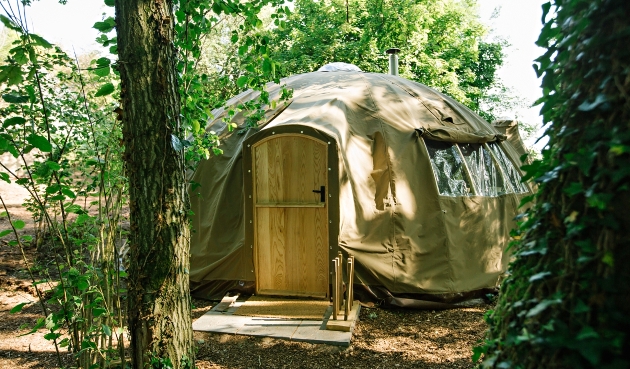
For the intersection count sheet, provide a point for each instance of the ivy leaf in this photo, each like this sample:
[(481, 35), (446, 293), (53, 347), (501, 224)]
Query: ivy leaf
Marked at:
[(573, 189), (588, 106), (545, 8), (39, 142), (542, 306), (538, 276), (105, 90), (176, 143)]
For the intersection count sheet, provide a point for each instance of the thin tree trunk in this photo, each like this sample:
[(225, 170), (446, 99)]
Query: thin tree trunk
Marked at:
[(158, 291)]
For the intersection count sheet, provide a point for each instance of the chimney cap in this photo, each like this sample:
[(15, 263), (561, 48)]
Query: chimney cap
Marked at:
[(393, 50)]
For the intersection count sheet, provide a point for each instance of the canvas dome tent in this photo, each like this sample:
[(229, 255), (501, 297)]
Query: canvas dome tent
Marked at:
[(421, 190)]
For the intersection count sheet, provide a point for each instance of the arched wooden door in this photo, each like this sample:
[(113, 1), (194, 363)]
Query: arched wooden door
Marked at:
[(290, 184)]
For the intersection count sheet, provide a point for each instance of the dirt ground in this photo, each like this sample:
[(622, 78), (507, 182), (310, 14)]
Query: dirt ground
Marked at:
[(383, 338)]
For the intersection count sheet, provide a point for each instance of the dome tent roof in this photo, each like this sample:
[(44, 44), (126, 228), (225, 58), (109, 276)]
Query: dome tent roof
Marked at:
[(406, 237)]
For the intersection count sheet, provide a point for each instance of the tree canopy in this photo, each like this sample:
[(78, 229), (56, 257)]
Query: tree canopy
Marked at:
[(442, 42)]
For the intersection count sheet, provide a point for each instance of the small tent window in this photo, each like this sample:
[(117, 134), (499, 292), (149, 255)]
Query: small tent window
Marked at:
[(448, 168), (512, 175), (484, 171), (473, 169)]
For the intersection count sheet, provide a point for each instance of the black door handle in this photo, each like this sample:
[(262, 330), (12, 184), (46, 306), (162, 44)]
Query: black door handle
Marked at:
[(322, 193)]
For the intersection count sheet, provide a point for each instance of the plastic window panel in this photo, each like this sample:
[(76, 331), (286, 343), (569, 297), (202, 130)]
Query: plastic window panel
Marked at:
[(485, 174), (510, 171), (448, 169)]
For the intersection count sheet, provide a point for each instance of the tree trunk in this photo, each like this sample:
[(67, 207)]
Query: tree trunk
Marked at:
[(158, 291), (566, 303)]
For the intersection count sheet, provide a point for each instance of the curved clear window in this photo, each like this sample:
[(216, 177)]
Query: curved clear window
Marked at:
[(473, 169), (448, 168), (512, 175)]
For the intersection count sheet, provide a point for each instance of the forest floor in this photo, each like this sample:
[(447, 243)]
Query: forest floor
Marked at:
[(383, 338)]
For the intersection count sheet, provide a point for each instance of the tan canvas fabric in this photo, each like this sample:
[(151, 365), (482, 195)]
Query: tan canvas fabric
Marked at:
[(405, 237)]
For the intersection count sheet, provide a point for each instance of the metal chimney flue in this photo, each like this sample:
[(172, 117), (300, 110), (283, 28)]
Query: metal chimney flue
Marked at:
[(393, 60)]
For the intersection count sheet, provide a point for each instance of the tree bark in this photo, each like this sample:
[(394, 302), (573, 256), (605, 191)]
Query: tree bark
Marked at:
[(158, 291), (566, 303)]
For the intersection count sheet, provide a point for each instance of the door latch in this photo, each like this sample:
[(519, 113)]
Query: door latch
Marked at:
[(322, 193)]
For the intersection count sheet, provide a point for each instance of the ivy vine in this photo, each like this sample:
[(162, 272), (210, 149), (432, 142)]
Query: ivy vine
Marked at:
[(566, 301)]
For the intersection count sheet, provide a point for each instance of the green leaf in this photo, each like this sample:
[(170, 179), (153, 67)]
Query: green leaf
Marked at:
[(52, 165), (573, 189), (105, 26), (15, 99), (588, 106), (88, 345), (39, 142), (542, 306), (176, 143), (98, 311), (545, 8), (52, 336), (12, 74), (102, 72), (41, 41), (242, 81), (608, 259), (110, 2), (18, 224), (5, 232), (53, 188), (105, 90), (538, 276), (82, 284), (17, 308), (586, 333), (13, 121), (9, 23), (6, 145), (5, 177), (74, 208), (68, 192), (107, 331), (19, 54)]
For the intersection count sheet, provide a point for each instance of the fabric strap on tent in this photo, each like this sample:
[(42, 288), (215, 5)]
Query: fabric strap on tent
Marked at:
[(457, 136)]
